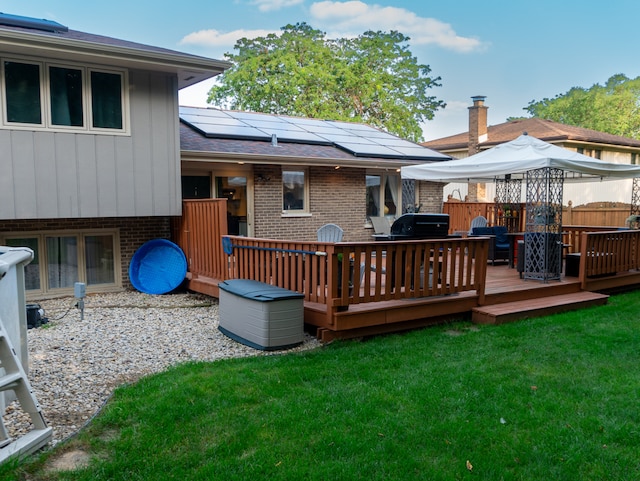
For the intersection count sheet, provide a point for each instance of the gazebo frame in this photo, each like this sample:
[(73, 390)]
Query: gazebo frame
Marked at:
[(543, 236)]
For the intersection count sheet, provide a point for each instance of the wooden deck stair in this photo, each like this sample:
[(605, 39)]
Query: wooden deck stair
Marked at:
[(517, 310)]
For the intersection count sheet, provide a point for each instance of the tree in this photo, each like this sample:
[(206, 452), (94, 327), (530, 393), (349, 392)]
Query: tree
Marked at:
[(372, 78), (612, 108)]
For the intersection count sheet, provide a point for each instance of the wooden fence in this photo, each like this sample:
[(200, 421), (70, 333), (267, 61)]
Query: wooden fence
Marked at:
[(461, 214), (596, 215), (199, 234)]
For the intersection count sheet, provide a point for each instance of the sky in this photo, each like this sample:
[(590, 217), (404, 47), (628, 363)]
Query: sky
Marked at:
[(513, 52)]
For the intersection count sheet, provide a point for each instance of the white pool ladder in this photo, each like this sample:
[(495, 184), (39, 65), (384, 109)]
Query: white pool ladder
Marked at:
[(15, 379)]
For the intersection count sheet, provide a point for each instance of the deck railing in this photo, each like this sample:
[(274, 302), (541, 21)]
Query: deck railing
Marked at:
[(572, 236), (342, 274), (608, 253)]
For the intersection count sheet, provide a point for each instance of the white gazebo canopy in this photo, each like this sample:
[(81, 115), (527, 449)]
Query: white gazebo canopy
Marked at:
[(516, 158), (512, 161)]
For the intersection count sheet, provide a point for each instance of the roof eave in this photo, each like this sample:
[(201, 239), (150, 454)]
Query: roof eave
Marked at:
[(190, 69), (356, 162)]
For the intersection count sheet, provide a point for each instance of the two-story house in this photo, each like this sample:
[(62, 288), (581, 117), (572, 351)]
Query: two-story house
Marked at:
[(89, 149)]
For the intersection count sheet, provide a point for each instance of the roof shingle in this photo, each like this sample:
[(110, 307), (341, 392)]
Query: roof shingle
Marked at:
[(543, 129)]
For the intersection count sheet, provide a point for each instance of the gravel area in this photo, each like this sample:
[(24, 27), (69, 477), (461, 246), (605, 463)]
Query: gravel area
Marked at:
[(75, 364)]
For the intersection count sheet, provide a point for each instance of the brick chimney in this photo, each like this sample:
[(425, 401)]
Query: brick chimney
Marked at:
[(477, 124), (477, 134)]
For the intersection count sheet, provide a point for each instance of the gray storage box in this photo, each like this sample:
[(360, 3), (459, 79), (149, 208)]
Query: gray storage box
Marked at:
[(260, 315)]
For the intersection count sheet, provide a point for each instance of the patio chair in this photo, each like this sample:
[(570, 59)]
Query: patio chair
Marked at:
[(499, 247), (479, 221), (330, 233), (499, 242), (381, 225)]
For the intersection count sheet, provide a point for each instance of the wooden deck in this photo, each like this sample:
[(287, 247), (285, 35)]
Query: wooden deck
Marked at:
[(507, 298), (393, 286), (518, 299)]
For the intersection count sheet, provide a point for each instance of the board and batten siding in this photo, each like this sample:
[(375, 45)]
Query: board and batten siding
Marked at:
[(47, 175)]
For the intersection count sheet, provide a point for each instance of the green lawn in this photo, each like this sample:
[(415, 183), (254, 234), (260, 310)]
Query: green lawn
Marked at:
[(552, 398)]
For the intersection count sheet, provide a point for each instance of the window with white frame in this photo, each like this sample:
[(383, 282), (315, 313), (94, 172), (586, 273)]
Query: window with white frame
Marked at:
[(55, 96), (63, 258), (384, 195), (295, 191)]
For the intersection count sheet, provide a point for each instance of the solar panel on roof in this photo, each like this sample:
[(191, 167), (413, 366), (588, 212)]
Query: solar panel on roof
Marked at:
[(296, 136), (30, 22), (368, 150), (273, 125), (395, 142), (358, 139), (372, 134), (341, 137), (303, 121), (199, 119), (349, 125), (418, 152), (327, 133), (204, 112), (248, 116), (230, 131)]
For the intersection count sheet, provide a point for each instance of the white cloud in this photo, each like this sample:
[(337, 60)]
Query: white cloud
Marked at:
[(271, 5), (217, 38), (359, 16)]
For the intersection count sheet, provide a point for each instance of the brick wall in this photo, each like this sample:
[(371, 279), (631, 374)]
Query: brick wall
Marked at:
[(430, 196), (477, 130), (335, 196), (133, 232)]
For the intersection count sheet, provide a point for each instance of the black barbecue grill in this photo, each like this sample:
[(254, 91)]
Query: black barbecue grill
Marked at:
[(418, 226)]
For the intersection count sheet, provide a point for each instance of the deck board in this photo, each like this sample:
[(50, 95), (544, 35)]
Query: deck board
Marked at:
[(518, 310), (503, 286)]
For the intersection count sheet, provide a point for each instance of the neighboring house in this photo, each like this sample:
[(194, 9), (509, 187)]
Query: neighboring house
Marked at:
[(600, 145), (89, 149), (284, 177)]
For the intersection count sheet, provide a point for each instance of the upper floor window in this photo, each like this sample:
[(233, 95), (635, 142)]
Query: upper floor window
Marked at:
[(295, 191), (65, 85), (106, 100), (22, 93), (39, 94)]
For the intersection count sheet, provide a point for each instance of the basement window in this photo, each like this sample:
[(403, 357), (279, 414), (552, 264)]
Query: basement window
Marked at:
[(63, 258)]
